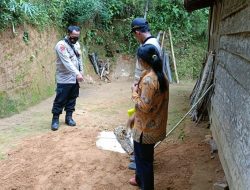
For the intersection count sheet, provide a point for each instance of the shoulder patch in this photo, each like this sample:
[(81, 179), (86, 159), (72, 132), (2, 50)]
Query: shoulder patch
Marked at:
[(62, 47)]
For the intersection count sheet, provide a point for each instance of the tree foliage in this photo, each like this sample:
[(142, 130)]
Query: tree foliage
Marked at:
[(15, 12), (79, 12), (104, 18), (162, 14), (171, 14)]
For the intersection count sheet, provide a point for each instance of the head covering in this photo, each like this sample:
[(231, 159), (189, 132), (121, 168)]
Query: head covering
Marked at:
[(139, 24), (72, 28)]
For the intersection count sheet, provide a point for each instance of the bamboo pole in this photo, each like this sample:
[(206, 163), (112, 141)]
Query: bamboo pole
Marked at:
[(159, 35), (172, 51), (146, 9), (163, 38)]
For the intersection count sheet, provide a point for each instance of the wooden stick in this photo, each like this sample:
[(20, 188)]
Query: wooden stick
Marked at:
[(159, 35), (162, 41), (146, 9), (172, 51)]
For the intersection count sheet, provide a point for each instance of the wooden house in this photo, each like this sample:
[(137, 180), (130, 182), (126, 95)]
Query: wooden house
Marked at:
[(229, 107)]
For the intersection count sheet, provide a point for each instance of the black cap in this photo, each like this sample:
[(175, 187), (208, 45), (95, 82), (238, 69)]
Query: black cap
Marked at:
[(139, 24)]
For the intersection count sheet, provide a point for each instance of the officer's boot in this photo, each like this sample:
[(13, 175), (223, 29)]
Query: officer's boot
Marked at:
[(55, 123), (69, 120)]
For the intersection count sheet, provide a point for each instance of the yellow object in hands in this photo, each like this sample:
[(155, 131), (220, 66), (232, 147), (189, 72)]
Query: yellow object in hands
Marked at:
[(131, 112)]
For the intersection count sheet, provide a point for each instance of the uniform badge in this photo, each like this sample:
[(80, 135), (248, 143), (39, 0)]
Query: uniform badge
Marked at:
[(62, 47)]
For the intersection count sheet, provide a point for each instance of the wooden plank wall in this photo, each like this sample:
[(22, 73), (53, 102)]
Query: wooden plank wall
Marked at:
[(230, 104)]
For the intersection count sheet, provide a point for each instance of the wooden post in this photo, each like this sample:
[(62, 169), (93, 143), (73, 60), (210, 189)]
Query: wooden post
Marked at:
[(159, 35), (162, 41), (146, 9), (172, 51)]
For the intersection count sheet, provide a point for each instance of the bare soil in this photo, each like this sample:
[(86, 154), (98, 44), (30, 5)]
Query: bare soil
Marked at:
[(34, 157)]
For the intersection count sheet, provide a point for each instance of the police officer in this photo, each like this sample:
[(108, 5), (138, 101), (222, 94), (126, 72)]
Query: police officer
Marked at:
[(69, 72)]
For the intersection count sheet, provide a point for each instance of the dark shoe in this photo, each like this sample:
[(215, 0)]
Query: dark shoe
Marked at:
[(133, 182), (132, 166), (55, 124), (70, 122)]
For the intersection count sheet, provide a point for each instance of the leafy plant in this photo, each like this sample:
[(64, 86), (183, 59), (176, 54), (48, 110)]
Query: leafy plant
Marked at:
[(80, 12), (19, 11), (171, 14), (99, 40), (181, 134), (25, 36)]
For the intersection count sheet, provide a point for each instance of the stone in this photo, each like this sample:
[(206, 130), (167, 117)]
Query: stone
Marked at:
[(220, 186), (213, 146), (123, 136)]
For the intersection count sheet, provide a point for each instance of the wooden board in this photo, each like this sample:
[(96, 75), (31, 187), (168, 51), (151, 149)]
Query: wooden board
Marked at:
[(237, 23), (233, 7), (230, 122), (238, 68)]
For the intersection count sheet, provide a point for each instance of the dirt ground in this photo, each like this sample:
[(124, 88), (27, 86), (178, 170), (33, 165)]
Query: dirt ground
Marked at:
[(34, 157)]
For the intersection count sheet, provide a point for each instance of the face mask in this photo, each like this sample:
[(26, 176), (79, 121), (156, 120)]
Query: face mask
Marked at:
[(73, 40)]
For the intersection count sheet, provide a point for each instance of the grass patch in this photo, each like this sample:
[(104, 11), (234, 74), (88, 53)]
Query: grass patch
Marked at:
[(7, 105), (10, 105), (2, 156)]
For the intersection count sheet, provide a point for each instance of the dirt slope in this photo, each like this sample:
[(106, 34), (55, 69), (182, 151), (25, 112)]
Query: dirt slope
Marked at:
[(38, 158)]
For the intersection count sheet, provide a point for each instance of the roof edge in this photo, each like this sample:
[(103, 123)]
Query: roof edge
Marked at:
[(192, 5)]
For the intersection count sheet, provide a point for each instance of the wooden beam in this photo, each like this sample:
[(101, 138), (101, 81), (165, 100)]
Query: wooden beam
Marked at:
[(192, 5)]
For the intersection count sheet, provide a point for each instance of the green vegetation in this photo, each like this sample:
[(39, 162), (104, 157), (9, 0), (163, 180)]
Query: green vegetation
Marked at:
[(13, 104), (189, 58), (2, 156), (7, 105), (181, 134), (16, 12), (105, 28), (106, 15)]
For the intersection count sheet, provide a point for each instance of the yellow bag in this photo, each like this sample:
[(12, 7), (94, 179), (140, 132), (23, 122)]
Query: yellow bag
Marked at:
[(131, 112)]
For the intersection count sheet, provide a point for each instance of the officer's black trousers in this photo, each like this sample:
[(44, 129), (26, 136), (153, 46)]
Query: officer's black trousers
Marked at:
[(66, 95)]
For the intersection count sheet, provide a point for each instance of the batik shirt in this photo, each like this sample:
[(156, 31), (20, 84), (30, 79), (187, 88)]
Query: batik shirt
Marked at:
[(151, 110)]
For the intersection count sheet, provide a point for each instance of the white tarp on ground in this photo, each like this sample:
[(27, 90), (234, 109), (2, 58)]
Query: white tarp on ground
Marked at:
[(107, 141)]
